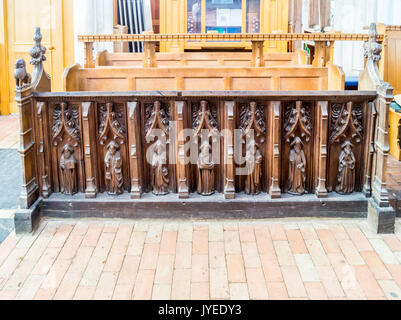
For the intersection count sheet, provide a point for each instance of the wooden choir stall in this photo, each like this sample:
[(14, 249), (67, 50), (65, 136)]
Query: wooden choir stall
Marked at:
[(163, 142)]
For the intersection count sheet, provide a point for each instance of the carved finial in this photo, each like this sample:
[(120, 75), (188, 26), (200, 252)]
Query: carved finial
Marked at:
[(38, 51), (22, 77), (372, 47)]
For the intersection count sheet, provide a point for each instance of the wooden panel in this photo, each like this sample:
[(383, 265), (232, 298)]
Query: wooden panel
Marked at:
[(392, 72)]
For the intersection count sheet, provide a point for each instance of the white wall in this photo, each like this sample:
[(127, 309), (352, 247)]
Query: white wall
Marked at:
[(92, 17), (352, 16)]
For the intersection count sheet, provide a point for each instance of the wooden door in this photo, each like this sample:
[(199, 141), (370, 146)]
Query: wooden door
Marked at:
[(22, 19)]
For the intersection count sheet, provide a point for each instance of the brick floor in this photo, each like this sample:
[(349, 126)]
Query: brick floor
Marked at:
[(315, 259)]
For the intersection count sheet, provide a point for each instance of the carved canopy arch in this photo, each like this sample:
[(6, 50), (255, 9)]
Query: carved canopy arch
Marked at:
[(110, 121), (66, 120), (345, 118), (297, 116), (204, 117), (157, 117), (252, 117)]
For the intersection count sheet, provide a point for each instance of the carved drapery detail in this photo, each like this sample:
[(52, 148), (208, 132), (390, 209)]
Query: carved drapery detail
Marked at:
[(344, 117), (66, 120), (113, 169), (297, 116), (157, 116), (68, 167), (346, 169), (297, 168), (111, 120), (252, 117)]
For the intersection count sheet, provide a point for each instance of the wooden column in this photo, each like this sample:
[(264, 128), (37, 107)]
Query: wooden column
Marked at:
[(321, 54), (30, 189), (369, 148), (257, 54), (182, 179), (229, 168), (43, 149), (321, 148), (149, 54), (134, 141), (89, 140), (274, 141), (88, 48)]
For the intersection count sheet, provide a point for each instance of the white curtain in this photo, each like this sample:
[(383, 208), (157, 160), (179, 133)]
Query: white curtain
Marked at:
[(352, 16), (92, 17)]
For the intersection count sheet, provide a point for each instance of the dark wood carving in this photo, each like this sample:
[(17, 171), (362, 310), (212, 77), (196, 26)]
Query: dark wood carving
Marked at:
[(205, 170), (346, 135), (68, 166), (205, 125), (297, 155), (346, 169), (253, 128), (157, 125), (66, 121), (22, 77), (297, 168), (159, 173), (112, 148), (113, 169)]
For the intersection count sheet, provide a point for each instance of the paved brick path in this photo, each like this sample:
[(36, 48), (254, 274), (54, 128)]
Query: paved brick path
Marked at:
[(296, 259), (277, 259)]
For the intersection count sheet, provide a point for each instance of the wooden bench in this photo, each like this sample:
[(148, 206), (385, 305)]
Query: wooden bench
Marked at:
[(200, 59), (205, 154), (203, 78)]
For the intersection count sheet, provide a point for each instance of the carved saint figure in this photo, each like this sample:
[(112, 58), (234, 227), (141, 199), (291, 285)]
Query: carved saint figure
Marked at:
[(68, 166), (346, 169), (297, 168), (159, 174), (113, 169), (205, 170), (254, 162)]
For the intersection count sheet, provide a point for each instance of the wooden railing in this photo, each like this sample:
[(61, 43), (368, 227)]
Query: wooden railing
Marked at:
[(324, 43), (205, 153)]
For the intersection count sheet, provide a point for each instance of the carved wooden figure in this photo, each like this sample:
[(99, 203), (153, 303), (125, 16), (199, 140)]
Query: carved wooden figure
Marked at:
[(159, 175), (68, 167), (346, 169), (205, 170), (254, 162), (297, 168), (113, 169), (22, 77), (253, 127)]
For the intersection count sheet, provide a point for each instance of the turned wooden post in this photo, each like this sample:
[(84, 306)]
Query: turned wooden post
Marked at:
[(183, 190), (229, 170), (135, 143), (88, 48), (149, 52), (321, 148), (257, 54), (274, 129), (89, 140)]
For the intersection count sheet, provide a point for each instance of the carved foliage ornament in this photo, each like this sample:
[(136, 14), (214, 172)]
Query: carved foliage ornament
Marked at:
[(66, 120), (297, 116), (204, 116), (344, 117), (157, 116), (111, 120), (252, 117), (372, 47), (37, 53)]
